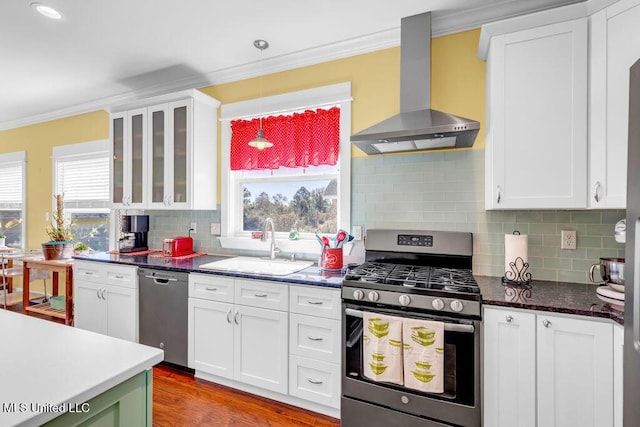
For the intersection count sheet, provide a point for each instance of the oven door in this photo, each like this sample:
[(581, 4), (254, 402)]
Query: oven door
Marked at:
[(460, 402)]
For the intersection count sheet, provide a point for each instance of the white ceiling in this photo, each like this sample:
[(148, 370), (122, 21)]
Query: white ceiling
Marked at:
[(109, 51)]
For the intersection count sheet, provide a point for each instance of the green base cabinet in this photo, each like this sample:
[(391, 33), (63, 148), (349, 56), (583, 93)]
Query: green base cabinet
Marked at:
[(127, 404)]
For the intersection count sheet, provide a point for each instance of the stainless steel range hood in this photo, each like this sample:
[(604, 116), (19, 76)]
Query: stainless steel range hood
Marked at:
[(417, 127)]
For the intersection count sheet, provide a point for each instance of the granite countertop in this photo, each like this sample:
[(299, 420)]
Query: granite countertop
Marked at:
[(47, 363), (309, 276), (558, 297)]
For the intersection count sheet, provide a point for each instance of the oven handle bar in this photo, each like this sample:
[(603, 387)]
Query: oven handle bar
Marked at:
[(452, 327)]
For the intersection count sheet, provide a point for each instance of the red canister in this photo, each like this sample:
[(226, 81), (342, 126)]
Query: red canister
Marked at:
[(331, 259)]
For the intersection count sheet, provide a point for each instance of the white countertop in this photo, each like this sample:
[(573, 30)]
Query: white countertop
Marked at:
[(47, 363)]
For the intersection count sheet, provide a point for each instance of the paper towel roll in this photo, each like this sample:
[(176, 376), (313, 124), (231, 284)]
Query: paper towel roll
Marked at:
[(515, 245)]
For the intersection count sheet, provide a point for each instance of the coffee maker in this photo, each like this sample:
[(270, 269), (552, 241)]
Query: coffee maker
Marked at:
[(135, 229)]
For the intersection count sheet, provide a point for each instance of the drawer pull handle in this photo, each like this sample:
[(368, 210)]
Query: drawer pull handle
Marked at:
[(88, 273), (546, 323), (260, 295), (211, 289), (314, 338), (509, 318), (314, 302), (314, 381), (119, 276)]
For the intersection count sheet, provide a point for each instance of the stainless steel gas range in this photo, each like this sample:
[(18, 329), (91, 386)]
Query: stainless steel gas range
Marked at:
[(414, 275)]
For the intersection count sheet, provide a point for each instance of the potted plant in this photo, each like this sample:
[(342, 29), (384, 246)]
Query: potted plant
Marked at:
[(60, 244), (81, 248)]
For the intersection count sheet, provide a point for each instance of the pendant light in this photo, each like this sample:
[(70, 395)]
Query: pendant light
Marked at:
[(260, 142)]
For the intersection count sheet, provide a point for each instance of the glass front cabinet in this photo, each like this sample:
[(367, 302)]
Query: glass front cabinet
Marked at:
[(160, 149)]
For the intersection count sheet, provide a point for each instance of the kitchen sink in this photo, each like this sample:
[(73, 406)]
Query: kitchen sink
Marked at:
[(255, 265)]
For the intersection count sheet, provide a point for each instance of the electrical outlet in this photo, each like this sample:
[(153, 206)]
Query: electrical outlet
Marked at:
[(194, 226), (357, 232), (215, 228), (568, 239)]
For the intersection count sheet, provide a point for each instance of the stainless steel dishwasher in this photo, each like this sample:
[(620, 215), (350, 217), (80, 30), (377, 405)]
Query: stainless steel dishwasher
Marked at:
[(164, 297)]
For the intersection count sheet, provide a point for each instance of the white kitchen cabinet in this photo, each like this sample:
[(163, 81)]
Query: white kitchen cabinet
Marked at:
[(575, 371), (211, 337), (618, 377), (614, 47), (260, 347), (128, 135), (536, 145), (169, 152), (106, 299), (509, 368), (547, 370), (315, 344), (245, 343)]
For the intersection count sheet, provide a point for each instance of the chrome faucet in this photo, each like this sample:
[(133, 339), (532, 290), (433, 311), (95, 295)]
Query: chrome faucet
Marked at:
[(274, 250)]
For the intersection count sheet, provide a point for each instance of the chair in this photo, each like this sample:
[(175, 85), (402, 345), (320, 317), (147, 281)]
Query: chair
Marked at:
[(7, 272)]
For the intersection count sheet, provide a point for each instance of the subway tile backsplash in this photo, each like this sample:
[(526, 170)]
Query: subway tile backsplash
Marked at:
[(443, 191)]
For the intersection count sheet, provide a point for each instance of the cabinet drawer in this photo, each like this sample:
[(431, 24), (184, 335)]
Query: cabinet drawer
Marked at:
[(89, 271), (214, 288), (315, 301), (108, 274), (315, 381), (254, 293), (315, 337)]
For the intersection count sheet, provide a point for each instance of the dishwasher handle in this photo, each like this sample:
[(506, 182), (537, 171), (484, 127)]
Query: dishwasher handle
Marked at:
[(161, 280)]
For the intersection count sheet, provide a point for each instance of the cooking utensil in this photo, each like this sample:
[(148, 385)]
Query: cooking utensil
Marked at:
[(611, 272), (340, 237), (325, 242)]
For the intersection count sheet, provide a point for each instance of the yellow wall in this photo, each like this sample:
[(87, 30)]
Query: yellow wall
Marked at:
[(38, 141), (457, 86)]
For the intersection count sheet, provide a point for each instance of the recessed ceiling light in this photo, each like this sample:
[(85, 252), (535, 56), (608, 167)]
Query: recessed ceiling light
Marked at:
[(46, 10)]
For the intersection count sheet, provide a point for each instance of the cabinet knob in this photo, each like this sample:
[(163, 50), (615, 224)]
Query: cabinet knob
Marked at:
[(509, 318), (546, 323), (596, 191)]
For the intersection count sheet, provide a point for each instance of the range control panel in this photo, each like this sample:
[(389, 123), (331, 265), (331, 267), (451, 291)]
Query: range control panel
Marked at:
[(415, 240)]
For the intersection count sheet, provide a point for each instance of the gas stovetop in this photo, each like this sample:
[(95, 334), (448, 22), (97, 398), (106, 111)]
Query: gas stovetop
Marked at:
[(421, 270), (399, 276)]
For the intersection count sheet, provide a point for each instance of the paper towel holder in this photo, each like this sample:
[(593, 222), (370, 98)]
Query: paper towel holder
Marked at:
[(519, 274)]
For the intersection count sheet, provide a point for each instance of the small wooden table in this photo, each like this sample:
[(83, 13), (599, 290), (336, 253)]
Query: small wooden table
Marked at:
[(57, 267)]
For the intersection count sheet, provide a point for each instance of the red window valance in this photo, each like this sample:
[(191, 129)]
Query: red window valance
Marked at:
[(299, 140)]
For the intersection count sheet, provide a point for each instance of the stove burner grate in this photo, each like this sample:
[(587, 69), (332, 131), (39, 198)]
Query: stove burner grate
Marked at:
[(421, 277)]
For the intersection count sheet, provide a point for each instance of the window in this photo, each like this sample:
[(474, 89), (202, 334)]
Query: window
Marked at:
[(12, 196), (81, 173), (314, 197)]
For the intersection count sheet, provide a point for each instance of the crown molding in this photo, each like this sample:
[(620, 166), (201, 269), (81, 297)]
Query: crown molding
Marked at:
[(444, 23)]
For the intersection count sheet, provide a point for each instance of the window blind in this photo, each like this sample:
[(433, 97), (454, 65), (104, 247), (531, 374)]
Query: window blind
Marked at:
[(84, 181), (11, 188)]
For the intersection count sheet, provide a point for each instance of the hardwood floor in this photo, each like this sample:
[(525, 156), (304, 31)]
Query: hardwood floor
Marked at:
[(179, 399)]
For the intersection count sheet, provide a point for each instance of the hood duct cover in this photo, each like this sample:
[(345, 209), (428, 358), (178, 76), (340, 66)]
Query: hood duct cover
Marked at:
[(417, 127)]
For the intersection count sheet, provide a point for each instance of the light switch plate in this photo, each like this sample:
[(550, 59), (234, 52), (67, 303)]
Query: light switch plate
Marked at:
[(215, 228), (357, 232)]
